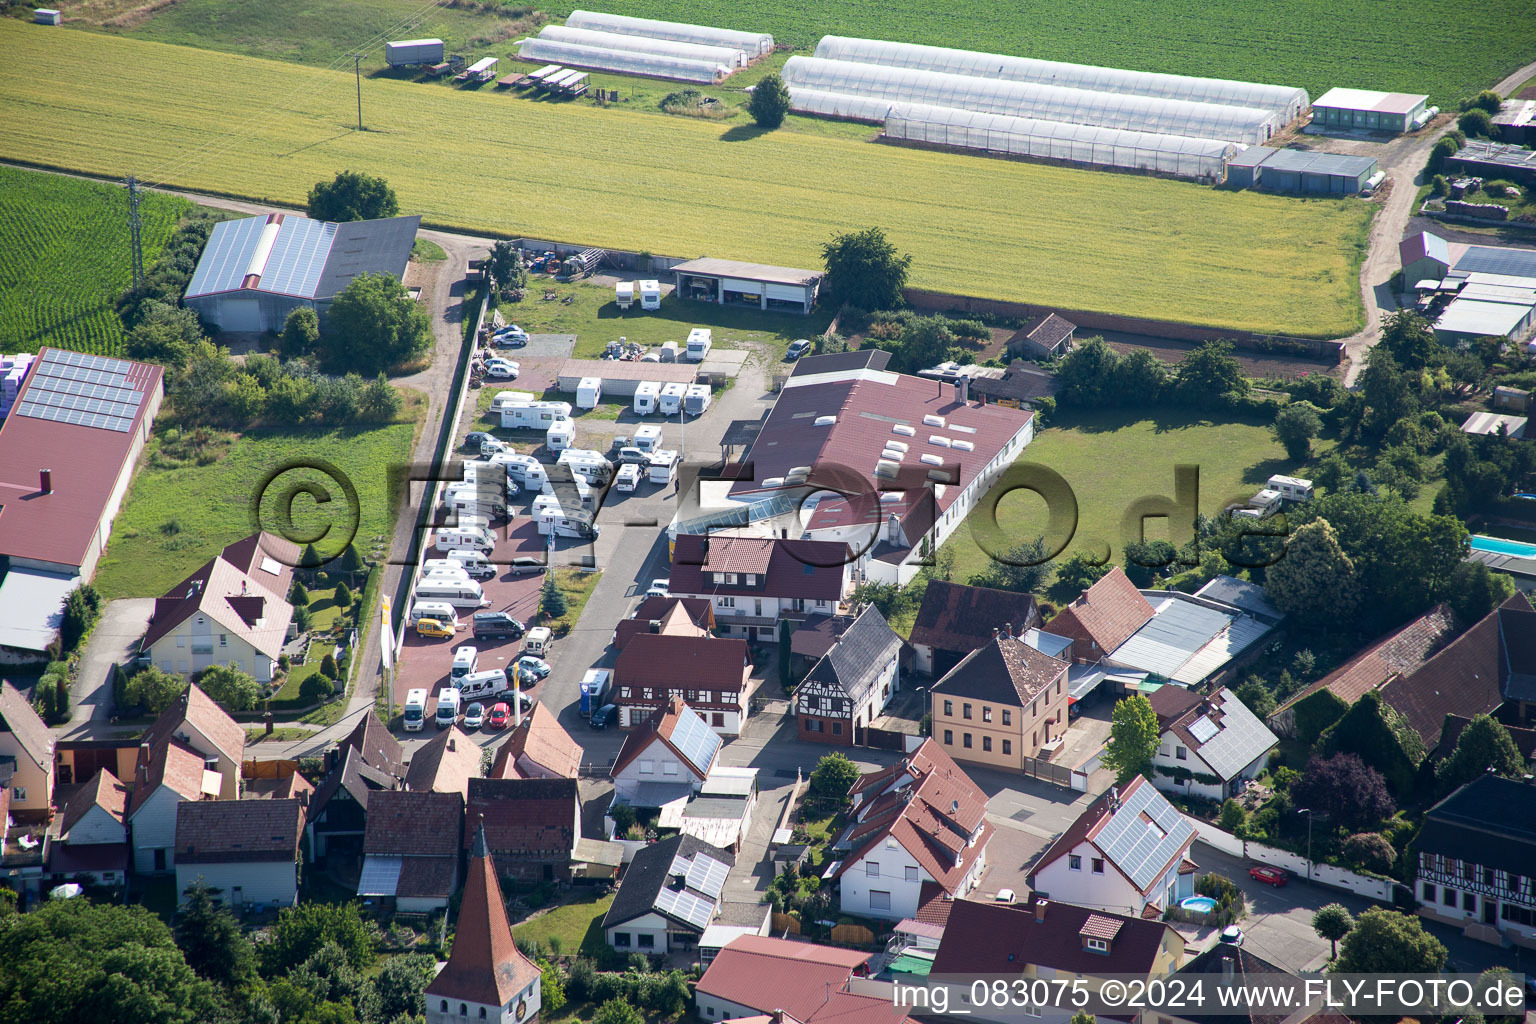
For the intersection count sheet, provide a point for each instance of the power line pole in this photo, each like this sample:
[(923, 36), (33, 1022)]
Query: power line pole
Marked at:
[(134, 226), (357, 70)]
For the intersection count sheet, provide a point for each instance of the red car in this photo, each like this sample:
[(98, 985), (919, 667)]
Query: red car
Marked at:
[(500, 716), (1269, 876)]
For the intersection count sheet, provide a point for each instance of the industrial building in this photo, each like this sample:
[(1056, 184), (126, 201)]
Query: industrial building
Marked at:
[(1516, 122), (729, 282), (1492, 288), (256, 270), (67, 453), (1302, 170), (1366, 108), (1496, 160)]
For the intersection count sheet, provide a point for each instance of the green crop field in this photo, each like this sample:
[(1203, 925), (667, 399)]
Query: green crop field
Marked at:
[(486, 162), (64, 259)]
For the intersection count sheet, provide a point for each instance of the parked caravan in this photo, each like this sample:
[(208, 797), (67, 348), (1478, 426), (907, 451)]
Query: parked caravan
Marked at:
[(646, 393), (628, 478), (487, 499), (647, 437), (700, 341), (475, 563), (482, 685), (624, 294), (663, 468), (459, 593), (533, 415), (466, 659), (650, 294), (444, 570), (457, 567), (671, 398), (574, 495), (560, 523), (538, 641), (588, 463), (415, 710), (1291, 488), (469, 521), (442, 611), (448, 703), (696, 400), (560, 435), (589, 391), (506, 398), (594, 690), (488, 474), (525, 471), (669, 352)]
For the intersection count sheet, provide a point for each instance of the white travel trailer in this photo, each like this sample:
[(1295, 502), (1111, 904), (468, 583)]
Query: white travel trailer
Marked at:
[(668, 352), (585, 462), (506, 398), (443, 570), (455, 539), (533, 415), (576, 493), (696, 400), (522, 470), (1291, 488), (624, 294), (650, 294), (671, 398), (487, 474), (560, 435), (663, 466), (589, 391), (629, 477), (561, 523), (461, 593), (647, 437), (646, 393), (700, 341)]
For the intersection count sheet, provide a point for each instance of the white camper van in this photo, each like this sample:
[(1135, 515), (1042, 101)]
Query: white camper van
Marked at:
[(452, 540), (646, 393), (629, 477), (697, 399), (447, 708), (442, 611), (487, 474), (650, 294), (663, 466), (671, 398), (474, 562), (533, 415), (538, 641), (523, 470), (482, 685), (624, 294), (443, 569), (465, 593), (560, 435), (700, 341), (415, 710), (561, 523), (575, 494), (587, 463), (647, 437), (589, 391)]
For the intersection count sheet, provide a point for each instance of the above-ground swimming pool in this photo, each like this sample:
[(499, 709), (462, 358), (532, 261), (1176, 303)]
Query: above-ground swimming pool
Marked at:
[(1500, 546), (1199, 904)]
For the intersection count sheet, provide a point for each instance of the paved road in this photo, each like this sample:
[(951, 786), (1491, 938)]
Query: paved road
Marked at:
[(114, 641)]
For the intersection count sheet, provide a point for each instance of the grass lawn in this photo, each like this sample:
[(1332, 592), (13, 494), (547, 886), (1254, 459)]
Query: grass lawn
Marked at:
[(577, 925), (64, 259), (577, 585), (1074, 238), (284, 734), (175, 519), (427, 252)]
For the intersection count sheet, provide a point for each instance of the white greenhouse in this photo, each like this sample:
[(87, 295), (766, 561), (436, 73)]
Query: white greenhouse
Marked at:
[(1286, 101), (756, 44), (728, 55), (1087, 145), (844, 105), (1027, 99), (627, 62)]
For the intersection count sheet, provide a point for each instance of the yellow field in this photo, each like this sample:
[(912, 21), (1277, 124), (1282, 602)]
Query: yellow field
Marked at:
[(488, 162)]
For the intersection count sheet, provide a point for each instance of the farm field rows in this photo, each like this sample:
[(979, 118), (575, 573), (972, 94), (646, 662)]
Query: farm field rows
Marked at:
[(64, 259), (482, 162)]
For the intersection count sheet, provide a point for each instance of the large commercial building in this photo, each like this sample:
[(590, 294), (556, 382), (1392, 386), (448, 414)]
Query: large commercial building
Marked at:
[(1366, 108), (1493, 286), (256, 270), (1301, 170)]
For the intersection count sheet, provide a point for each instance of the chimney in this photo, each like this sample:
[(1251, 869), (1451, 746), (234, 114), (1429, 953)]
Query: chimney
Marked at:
[(655, 625), (45, 481), (1114, 797), (1040, 910), (452, 743), (1008, 629), (892, 529), (1228, 969), (995, 632), (963, 390), (143, 765)]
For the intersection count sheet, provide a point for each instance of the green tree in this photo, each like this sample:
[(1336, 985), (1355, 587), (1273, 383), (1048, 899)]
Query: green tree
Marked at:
[(1083, 1017), (1315, 583), (245, 398), (551, 989), (552, 599), (398, 988), (1133, 738), (1476, 123), (1486, 100), (1077, 574), (865, 270), (1295, 426), (232, 688), (328, 666), (1332, 922), (199, 392), (770, 102), (379, 400), (1256, 696), (82, 607), (352, 195), (1474, 591), (302, 617), (1332, 472), (210, 938), (298, 595), (1209, 375), (623, 819), (1444, 148), (1086, 373), (289, 400), (1410, 337), (310, 558), (303, 930), (1023, 569), (926, 341), (153, 689), (316, 687), (1232, 817), (1485, 745), (1439, 187), (1387, 942), (1387, 392), (833, 776), (617, 1011), (301, 332), (374, 324), (504, 265), (343, 597), (164, 334)]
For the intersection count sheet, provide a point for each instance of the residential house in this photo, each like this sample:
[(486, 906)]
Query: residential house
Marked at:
[(539, 748), (167, 773), (1004, 703), (665, 615), (955, 619), (233, 610), (93, 835), (444, 764), (486, 977), (368, 761), (1209, 746), (753, 582), (802, 981), (196, 721), (666, 757), (1476, 856), (26, 757), (849, 686), (1105, 616), (1128, 853), (1047, 336), (411, 848), (246, 850), (1225, 965), (532, 825), (670, 894), (713, 675), (919, 820), (1049, 939), (24, 851)]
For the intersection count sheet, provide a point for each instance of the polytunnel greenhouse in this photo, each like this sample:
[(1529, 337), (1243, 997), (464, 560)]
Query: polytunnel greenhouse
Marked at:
[(1088, 145), (756, 44), (728, 55), (626, 61), (845, 105), (1286, 101), (1028, 99)]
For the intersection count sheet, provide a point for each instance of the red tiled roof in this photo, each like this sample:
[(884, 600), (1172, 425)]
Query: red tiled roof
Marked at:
[(21, 720), (771, 974), (407, 824), (444, 764), (812, 569), (484, 965), (933, 904), (1003, 671), (86, 462), (171, 763), (195, 709), (286, 787), (104, 791), (654, 659), (998, 938), (542, 740), (238, 831), (1395, 654), (235, 591), (1106, 614), (695, 610), (524, 817), (956, 617)]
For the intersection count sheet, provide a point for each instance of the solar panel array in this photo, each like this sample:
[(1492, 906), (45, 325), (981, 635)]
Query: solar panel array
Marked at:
[(705, 874), (380, 876), (1138, 849), (87, 390), (1488, 259), (1203, 729), (298, 258), (1243, 738), (685, 906), (695, 740)]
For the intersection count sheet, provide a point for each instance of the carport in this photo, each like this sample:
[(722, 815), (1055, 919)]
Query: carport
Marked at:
[(732, 283)]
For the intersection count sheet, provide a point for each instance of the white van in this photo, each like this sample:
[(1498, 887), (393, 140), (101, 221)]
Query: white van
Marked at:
[(442, 611), (465, 593), (589, 391), (663, 466), (538, 641), (575, 495), (474, 562), (650, 294), (522, 470), (646, 393), (415, 710), (647, 437), (560, 435), (700, 341), (482, 685), (671, 398), (453, 540), (628, 478), (697, 399), (465, 660), (624, 294), (448, 703)]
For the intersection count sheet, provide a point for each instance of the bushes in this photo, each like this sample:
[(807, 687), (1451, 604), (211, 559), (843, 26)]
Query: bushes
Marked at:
[(166, 280), (1445, 148), (1228, 897), (81, 610), (316, 688), (1371, 851), (153, 689), (51, 695), (232, 688), (770, 101), (1487, 100), (1475, 123)]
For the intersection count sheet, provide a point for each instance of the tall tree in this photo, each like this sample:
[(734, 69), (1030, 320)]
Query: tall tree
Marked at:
[(1077, 574), (770, 101), (505, 265), (1295, 426), (1387, 391), (82, 607), (1210, 374), (1332, 922), (164, 333), (833, 777), (1086, 373), (210, 938), (373, 325), (1133, 738), (865, 270), (1485, 745), (234, 689), (352, 195), (551, 598), (1346, 789), (1315, 583), (1386, 942), (1474, 591), (1409, 336), (1023, 569), (302, 931)]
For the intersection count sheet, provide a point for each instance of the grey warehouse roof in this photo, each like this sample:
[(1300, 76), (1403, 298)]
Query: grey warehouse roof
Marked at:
[(747, 271), (286, 254), (1304, 161)]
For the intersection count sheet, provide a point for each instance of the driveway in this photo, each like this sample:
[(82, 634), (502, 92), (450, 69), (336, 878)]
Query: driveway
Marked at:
[(114, 641)]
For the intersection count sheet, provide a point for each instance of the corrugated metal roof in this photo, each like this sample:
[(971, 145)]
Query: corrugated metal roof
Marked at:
[(306, 258), (1177, 630), (1370, 99), (1484, 319), (1312, 162), (1221, 649)]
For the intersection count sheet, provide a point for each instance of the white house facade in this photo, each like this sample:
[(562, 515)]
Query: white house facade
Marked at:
[(273, 883), (886, 882)]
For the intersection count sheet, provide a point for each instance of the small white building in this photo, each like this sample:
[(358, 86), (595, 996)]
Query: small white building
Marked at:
[(247, 850), (674, 751), (93, 838), (166, 775), (1210, 746)]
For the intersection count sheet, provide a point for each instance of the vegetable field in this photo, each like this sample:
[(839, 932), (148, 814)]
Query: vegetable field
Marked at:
[(489, 163), (64, 259)]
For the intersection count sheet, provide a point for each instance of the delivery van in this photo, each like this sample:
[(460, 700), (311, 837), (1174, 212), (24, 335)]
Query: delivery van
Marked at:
[(538, 641)]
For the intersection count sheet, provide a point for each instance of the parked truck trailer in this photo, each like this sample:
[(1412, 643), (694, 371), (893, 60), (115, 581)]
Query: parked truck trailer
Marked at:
[(411, 52)]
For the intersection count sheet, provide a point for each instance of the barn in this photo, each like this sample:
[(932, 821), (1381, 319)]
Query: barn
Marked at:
[(1366, 108), (1301, 170), (256, 270), (733, 283)]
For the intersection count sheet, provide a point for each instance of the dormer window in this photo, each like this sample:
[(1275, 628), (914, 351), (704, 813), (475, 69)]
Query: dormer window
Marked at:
[(1096, 945)]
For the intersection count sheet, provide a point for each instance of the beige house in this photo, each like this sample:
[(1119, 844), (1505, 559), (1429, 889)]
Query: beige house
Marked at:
[(26, 757), (1002, 703)]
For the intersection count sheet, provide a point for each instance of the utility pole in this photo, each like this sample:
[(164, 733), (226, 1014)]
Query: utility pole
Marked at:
[(134, 227), (357, 71)]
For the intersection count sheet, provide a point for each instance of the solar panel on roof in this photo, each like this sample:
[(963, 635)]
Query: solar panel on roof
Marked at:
[(380, 876), (685, 906), (1203, 728), (695, 741), (706, 875), (82, 389), (1138, 850), (1488, 259)]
